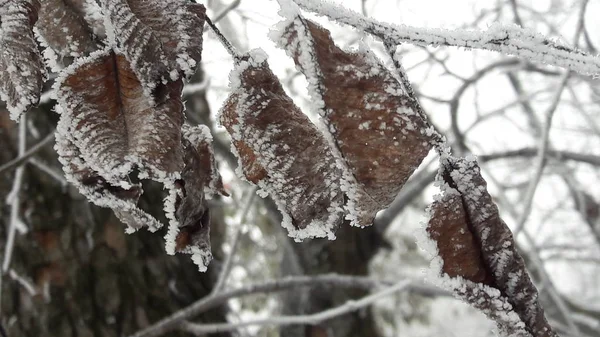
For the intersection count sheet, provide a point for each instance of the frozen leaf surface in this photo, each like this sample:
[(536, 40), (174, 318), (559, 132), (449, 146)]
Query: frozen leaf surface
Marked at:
[(186, 207), (478, 253), (162, 39), (64, 27), (373, 124), (281, 151), (114, 125), (201, 140), (123, 201), (22, 72)]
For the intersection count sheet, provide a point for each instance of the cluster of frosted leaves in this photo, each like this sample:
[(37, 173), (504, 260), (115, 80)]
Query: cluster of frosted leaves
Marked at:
[(186, 208), (114, 125), (161, 38), (281, 151), (373, 125), (22, 73), (69, 28), (477, 254)]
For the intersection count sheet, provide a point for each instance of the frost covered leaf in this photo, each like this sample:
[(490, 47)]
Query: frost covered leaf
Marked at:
[(189, 228), (281, 151), (97, 190), (162, 39), (63, 27), (201, 140), (114, 125), (68, 28), (22, 72), (478, 253), (375, 129)]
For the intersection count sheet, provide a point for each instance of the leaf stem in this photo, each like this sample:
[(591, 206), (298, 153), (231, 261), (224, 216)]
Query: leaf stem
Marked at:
[(228, 46)]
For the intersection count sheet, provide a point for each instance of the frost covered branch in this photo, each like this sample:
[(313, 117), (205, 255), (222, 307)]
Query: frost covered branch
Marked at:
[(171, 322), (506, 39), (310, 319), (27, 154), (236, 239), (14, 201)]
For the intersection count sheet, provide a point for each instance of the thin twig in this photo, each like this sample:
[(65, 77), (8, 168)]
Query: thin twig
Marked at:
[(545, 138), (26, 284), (21, 159), (56, 175), (228, 46), (14, 201), (226, 10), (542, 157), (311, 319), (235, 243)]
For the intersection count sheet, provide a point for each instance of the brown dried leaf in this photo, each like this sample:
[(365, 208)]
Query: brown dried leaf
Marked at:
[(201, 140), (374, 125), (281, 151), (189, 229), (96, 189), (162, 39), (459, 250), (476, 245), (22, 73), (114, 125), (64, 28)]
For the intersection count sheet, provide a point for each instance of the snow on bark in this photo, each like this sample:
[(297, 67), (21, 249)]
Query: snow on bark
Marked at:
[(476, 254), (372, 125), (281, 151), (22, 73)]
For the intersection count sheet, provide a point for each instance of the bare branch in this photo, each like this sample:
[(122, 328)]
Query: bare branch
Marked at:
[(311, 319), (509, 39), (14, 201), (236, 239), (171, 322), (21, 159)]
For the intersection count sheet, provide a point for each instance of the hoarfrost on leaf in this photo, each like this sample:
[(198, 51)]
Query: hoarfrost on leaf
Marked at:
[(22, 73), (479, 260), (363, 107), (162, 39), (281, 151), (115, 135)]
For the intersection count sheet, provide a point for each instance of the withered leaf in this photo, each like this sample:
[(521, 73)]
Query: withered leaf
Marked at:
[(22, 73), (281, 151), (201, 140), (162, 39), (63, 27), (114, 125), (123, 201), (186, 207), (374, 126), (477, 247)]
